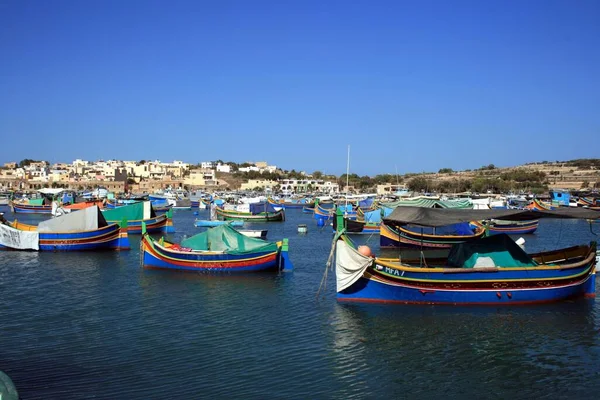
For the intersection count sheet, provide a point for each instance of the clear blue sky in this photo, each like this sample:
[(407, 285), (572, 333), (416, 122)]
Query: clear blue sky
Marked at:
[(412, 85)]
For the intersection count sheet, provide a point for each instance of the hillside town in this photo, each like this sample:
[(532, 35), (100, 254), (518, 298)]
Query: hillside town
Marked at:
[(146, 176), (150, 176)]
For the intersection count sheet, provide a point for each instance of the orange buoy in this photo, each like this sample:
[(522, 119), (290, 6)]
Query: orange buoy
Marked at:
[(365, 251)]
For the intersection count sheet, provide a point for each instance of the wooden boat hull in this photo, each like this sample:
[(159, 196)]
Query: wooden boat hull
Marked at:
[(30, 209), (262, 217), (399, 237), (323, 213), (513, 228), (159, 257), (385, 282), (357, 227), (110, 237)]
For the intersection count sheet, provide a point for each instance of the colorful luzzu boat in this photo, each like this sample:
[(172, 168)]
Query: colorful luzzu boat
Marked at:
[(293, 203), (509, 227), (358, 227), (221, 250), (403, 236), (538, 205), (79, 230), (250, 217), (138, 213), (23, 208), (489, 271)]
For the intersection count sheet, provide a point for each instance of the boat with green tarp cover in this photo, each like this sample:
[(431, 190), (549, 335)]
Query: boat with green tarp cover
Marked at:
[(219, 249), (140, 212)]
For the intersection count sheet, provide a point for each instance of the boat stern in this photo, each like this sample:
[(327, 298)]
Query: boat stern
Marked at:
[(285, 264)]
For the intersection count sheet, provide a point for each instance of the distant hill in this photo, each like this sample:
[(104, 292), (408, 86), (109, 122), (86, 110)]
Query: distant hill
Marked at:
[(537, 177)]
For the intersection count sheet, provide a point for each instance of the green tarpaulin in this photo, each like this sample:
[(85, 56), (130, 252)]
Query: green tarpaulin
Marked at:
[(225, 238), (132, 212), (493, 251), (430, 203), (36, 202)]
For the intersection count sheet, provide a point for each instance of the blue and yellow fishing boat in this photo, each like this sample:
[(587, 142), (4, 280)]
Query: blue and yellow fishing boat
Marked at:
[(495, 227), (80, 230), (221, 250), (489, 271)]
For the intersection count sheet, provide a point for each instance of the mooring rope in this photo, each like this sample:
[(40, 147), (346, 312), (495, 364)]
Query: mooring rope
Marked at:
[(329, 264)]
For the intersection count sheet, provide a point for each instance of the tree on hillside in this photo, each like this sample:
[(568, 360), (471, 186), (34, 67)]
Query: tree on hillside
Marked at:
[(445, 171), (488, 167), (419, 184), (317, 175)]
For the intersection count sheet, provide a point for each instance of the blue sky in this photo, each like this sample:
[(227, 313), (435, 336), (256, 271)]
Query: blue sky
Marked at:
[(409, 85)]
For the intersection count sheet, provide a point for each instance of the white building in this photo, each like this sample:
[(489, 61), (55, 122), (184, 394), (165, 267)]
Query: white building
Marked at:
[(206, 164), (226, 168)]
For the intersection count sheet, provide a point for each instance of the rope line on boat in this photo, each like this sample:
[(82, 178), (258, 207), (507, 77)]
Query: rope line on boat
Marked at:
[(329, 264)]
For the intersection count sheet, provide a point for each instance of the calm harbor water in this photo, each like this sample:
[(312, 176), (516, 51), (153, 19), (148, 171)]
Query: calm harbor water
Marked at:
[(96, 325)]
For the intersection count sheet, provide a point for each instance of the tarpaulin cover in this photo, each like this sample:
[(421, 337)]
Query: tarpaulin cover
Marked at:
[(446, 216), (225, 238), (366, 203), (132, 212), (349, 265), (87, 219), (429, 203), (257, 208), (497, 250), (373, 216)]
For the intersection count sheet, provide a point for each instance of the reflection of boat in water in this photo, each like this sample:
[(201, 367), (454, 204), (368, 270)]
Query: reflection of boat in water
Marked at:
[(477, 340)]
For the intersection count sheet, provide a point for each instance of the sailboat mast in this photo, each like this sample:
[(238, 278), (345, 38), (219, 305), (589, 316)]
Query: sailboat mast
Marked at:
[(347, 177)]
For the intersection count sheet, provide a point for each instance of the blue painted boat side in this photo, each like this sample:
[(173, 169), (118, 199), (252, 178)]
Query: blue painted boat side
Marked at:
[(369, 290)]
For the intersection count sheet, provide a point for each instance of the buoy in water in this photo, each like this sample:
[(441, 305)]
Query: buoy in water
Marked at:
[(365, 251), (520, 241), (320, 222), (195, 212)]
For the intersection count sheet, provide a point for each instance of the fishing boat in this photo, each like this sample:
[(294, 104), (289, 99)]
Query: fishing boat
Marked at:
[(25, 208), (221, 250), (489, 271), (138, 213), (509, 227), (425, 237), (539, 205), (291, 203), (588, 202), (161, 207), (260, 217), (323, 213), (260, 212), (357, 227), (80, 230)]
